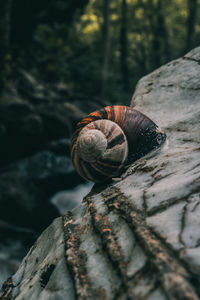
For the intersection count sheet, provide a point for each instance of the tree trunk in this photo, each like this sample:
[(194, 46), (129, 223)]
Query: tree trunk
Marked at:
[(163, 31), (106, 50), (160, 44), (192, 9), (5, 16), (124, 46)]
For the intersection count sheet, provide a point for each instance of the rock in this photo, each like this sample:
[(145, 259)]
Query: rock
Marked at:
[(26, 188), (137, 238), (14, 245), (56, 119), (24, 203), (68, 199), (49, 171), (60, 147), (23, 131), (50, 267), (28, 130)]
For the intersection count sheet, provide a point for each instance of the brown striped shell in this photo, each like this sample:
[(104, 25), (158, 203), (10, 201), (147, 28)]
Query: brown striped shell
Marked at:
[(107, 140)]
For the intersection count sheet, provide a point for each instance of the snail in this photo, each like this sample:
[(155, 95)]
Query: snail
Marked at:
[(109, 139)]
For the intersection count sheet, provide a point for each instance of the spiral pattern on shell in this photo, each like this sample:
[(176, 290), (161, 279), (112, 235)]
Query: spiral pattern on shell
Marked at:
[(107, 140)]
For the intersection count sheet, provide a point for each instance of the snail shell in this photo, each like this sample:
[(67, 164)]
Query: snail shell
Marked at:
[(107, 140)]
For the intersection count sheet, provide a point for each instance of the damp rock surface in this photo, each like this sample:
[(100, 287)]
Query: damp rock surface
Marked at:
[(139, 237)]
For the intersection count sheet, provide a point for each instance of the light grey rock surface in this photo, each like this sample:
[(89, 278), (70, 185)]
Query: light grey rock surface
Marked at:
[(43, 273), (138, 238)]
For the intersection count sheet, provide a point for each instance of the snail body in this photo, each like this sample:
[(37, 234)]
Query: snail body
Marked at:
[(108, 139)]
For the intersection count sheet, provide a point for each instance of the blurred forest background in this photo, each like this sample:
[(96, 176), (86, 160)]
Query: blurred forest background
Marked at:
[(97, 48)]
